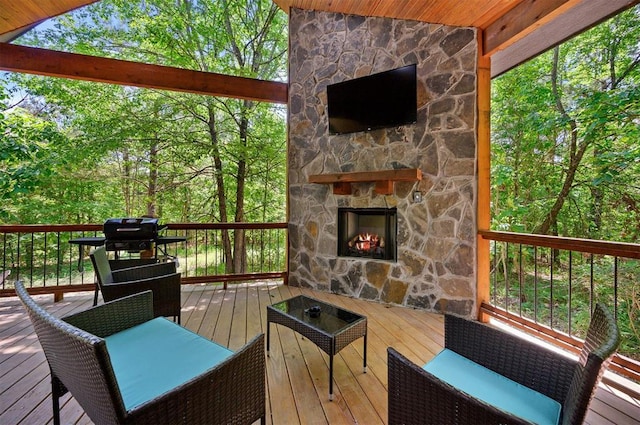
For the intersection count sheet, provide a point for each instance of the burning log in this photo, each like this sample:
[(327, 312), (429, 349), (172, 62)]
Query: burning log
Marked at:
[(366, 243)]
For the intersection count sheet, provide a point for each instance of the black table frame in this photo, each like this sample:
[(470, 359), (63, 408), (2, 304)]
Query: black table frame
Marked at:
[(330, 343), (96, 241)]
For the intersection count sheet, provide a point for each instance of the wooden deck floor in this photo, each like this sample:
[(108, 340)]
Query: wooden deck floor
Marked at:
[(297, 371)]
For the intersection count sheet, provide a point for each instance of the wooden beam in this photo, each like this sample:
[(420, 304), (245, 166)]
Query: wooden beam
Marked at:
[(522, 20), (576, 20), (483, 218), (51, 63)]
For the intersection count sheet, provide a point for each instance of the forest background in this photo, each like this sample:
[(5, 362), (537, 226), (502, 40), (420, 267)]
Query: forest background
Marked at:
[(565, 129)]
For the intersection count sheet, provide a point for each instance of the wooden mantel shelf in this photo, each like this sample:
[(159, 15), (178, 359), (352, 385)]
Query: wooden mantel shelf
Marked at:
[(384, 179)]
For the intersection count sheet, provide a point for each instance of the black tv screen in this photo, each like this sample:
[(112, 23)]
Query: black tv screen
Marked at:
[(387, 99)]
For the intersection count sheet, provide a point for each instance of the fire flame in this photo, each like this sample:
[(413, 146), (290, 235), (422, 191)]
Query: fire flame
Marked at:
[(365, 241)]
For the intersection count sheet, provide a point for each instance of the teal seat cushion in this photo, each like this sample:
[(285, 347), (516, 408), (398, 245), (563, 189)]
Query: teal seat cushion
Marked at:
[(493, 388), (152, 358)]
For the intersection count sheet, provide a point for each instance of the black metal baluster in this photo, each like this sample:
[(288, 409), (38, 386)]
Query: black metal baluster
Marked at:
[(195, 245), (58, 259), (4, 256), (506, 278), (592, 293), (206, 252), (553, 259), (535, 283), (32, 258), (18, 257), (495, 272), (615, 288), (521, 281), (44, 264), (570, 291)]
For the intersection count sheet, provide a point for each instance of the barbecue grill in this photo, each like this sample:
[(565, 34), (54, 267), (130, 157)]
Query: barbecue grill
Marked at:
[(131, 234)]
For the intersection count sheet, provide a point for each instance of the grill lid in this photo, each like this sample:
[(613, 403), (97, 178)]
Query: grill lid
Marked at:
[(116, 229)]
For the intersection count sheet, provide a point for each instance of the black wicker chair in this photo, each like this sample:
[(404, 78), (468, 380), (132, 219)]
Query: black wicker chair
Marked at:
[(88, 354), (160, 278), (417, 396)]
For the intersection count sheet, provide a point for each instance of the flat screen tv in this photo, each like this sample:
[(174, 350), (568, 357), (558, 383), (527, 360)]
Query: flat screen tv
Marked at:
[(386, 99)]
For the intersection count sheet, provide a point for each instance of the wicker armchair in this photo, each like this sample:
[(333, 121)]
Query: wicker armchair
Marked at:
[(160, 278), (121, 364), (417, 396)]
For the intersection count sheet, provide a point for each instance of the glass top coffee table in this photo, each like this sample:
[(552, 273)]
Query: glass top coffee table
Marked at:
[(330, 327)]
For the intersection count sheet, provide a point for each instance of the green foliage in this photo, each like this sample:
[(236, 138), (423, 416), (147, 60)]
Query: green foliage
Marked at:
[(181, 157), (29, 157), (566, 161), (565, 137)]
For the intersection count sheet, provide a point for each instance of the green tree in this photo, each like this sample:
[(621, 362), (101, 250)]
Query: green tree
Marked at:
[(566, 161), (565, 131), (218, 153)]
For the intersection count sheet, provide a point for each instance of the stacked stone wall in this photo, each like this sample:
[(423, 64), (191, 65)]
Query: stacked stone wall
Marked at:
[(436, 265)]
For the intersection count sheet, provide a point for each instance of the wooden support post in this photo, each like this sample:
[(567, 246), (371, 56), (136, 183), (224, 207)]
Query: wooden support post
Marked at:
[(484, 179)]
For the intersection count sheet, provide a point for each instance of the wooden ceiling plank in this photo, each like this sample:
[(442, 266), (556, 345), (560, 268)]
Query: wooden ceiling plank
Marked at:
[(489, 16), (51, 63), (439, 12), (284, 5), (24, 13), (522, 20)]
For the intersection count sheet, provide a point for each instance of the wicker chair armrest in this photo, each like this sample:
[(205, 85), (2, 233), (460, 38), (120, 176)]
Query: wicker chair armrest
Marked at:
[(525, 362), (418, 397), (143, 272), (114, 316), (232, 392)]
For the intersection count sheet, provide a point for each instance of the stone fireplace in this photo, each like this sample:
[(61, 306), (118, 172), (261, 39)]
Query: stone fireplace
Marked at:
[(367, 233), (435, 236)]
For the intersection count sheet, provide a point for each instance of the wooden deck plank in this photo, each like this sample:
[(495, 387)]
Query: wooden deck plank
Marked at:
[(613, 409), (308, 383), (25, 394), (317, 362), (264, 299), (205, 311), (297, 370), (222, 332), (238, 329), (281, 401)]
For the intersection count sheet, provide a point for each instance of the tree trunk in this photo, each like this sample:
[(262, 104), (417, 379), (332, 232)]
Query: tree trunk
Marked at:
[(152, 187), (576, 152), (126, 173), (239, 251), (222, 199)]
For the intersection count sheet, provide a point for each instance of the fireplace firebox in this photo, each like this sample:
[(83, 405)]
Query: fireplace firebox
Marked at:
[(367, 232)]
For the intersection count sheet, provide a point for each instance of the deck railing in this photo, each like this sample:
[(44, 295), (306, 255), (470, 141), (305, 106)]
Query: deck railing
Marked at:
[(543, 284), (548, 286), (42, 257)]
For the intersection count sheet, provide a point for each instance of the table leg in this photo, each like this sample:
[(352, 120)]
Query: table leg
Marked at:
[(364, 361), (80, 265), (268, 336), (330, 377)]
